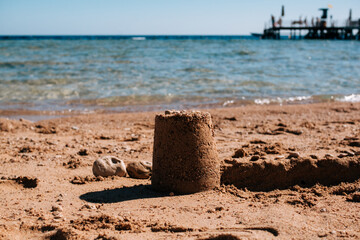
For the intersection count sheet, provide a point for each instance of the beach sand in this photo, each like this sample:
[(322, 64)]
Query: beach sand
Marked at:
[(311, 191)]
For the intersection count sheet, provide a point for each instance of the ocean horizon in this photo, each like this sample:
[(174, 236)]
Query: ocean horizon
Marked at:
[(124, 37)]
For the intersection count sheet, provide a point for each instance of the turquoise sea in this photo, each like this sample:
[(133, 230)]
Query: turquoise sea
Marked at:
[(159, 73)]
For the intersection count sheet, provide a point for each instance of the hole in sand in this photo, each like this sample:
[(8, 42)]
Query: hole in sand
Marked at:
[(223, 237), (271, 230), (27, 182), (47, 228)]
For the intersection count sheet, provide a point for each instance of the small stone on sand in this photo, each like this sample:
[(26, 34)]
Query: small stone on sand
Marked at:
[(141, 170), (355, 197), (329, 156), (109, 166), (240, 153), (342, 155), (56, 208), (293, 155)]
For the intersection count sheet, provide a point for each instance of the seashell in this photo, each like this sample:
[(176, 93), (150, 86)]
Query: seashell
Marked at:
[(109, 166), (141, 170)]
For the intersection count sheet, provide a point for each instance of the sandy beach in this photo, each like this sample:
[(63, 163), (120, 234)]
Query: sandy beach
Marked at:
[(288, 172)]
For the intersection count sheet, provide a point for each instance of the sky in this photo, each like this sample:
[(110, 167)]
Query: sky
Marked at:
[(158, 17)]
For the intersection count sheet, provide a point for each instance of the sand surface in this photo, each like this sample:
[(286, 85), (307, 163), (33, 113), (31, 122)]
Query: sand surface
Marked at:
[(48, 190)]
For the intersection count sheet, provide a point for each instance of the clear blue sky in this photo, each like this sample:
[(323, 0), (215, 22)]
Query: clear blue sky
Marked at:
[(46, 17)]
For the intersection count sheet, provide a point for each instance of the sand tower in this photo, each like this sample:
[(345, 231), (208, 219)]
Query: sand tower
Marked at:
[(185, 159)]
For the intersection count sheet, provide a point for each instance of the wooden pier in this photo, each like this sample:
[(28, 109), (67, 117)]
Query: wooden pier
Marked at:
[(300, 29), (340, 33)]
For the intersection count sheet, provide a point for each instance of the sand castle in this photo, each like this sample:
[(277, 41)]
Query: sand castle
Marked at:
[(185, 159)]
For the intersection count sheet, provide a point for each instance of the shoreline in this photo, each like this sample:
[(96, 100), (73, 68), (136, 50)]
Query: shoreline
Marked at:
[(33, 114)]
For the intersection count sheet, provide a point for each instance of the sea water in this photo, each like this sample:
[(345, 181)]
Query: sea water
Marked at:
[(141, 74)]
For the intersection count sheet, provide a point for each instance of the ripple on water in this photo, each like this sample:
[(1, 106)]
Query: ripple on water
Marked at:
[(57, 73)]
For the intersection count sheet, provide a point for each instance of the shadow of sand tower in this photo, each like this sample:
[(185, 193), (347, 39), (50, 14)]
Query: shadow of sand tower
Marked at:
[(185, 158)]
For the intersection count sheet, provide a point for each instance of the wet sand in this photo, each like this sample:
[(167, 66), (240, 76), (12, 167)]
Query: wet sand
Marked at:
[(288, 172)]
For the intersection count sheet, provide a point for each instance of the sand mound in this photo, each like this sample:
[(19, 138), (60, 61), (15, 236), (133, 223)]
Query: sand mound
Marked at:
[(270, 175), (63, 234), (104, 222), (24, 181), (7, 125)]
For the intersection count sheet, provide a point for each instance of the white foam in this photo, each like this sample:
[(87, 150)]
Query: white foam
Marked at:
[(301, 98), (262, 101), (228, 102), (349, 98), (139, 38)]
